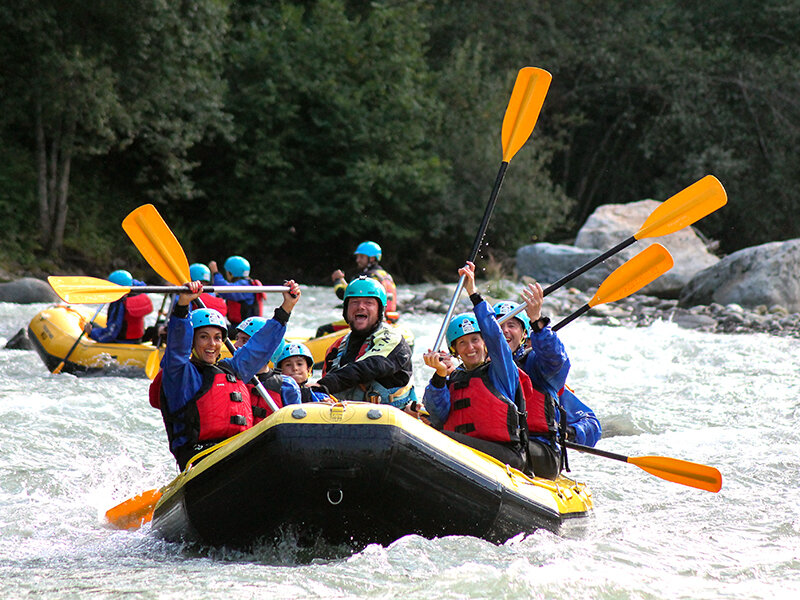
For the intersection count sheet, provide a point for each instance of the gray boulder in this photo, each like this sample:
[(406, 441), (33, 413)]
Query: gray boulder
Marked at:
[(766, 275), (612, 223), (27, 291), (547, 263)]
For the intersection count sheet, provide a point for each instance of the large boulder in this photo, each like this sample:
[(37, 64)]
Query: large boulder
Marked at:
[(766, 275), (547, 263), (27, 291), (613, 223)]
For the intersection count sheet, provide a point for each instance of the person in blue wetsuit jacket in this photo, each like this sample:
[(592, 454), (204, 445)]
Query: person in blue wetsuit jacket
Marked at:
[(479, 403), (538, 351), (125, 317), (205, 400), (240, 304)]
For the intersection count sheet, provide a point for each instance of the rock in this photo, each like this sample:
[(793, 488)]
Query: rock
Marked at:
[(20, 341), (612, 223), (693, 321), (767, 275), (550, 262), (27, 291)]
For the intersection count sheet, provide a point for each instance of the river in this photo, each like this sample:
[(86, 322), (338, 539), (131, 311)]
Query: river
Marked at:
[(73, 447)]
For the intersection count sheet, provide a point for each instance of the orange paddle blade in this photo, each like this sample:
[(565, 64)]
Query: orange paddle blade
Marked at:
[(684, 208), (523, 109), (159, 246), (684, 472), (644, 268), (153, 364), (86, 290), (134, 512)]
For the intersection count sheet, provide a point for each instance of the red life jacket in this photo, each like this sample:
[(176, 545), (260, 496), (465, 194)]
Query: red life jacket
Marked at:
[(272, 382), (154, 392), (220, 409), (540, 407), (239, 311), (137, 307), (479, 410), (214, 302)]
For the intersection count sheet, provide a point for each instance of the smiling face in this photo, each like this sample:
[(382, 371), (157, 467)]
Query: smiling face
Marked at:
[(207, 343), (513, 331), (362, 313), (471, 350), (295, 367), (241, 339)]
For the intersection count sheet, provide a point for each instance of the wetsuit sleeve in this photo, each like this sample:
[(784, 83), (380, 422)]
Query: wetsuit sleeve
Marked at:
[(220, 281), (436, 399), (391, 370), (181, 379), (582, 419), (339, 289), (290, 391), (115, 317), (251, 358), (502, 368), (547, 361)]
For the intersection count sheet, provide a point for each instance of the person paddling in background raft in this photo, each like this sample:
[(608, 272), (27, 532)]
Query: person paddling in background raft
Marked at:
[(372, 362), (295, 360), (368, 256), (481, 402), (200, 272), (204, 400), (240, 305), (282, 389), (125, 317), (538, 351)]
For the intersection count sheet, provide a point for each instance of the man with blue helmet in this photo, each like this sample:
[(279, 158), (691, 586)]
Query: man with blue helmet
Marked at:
[(373, 361), (203, 399), (368, 256), (125, 317), (240, 305)]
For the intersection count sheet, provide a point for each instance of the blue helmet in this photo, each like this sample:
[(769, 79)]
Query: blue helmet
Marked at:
[(461, 325), (294, 349), (251, 324), (121, 277), (205, 317), (237, 266), (199, 272), (365, 287), (370, 249), (503, 308)]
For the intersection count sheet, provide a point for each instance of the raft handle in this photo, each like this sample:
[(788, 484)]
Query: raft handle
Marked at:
[(335, 490)]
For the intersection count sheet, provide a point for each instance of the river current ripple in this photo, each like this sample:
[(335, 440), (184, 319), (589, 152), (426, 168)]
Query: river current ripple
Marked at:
[(73, 447)]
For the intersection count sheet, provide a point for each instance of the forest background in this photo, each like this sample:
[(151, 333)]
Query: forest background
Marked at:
[(288, 132)]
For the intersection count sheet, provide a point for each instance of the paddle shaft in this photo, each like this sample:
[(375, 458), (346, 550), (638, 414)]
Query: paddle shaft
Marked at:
[(219, 289), (60, 365), (595, 451), (476, 246), (259, 387)]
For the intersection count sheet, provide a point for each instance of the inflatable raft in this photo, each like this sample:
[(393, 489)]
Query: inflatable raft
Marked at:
[(54, 330), (355, 474)]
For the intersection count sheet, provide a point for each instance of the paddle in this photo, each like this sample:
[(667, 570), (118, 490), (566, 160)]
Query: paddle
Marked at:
[(684, 208), (684, 472), (522, 112), (153, 364), (90, 290), (159, 246), (134, 512), (644, 268), (63, 362)]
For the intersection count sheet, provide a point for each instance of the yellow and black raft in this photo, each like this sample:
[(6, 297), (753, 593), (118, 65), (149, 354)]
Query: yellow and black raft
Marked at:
[(355, 473)]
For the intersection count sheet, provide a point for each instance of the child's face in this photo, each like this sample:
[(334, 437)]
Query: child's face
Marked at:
[(295, 367)]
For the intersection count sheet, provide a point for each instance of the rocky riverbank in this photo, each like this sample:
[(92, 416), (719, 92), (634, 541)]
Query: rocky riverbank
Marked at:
[(634, 311)]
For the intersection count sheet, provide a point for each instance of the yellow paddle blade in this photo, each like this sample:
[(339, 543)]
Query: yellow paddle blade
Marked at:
[(523, 109), (159, 246), (86, 290), (153, 364), (644, 268), (134, 512), (684, 472), (684, 208)]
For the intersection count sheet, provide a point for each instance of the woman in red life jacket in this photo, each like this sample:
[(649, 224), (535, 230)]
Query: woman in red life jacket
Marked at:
[(282, 389), (479, 403), (205, 400), (125, 317)]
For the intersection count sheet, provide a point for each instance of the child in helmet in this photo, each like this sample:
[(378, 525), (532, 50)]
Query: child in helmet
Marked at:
[(204, 399), (282, 389), (125, 317), (296, 361), (481, 402), (538, 351), (240, 305)]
